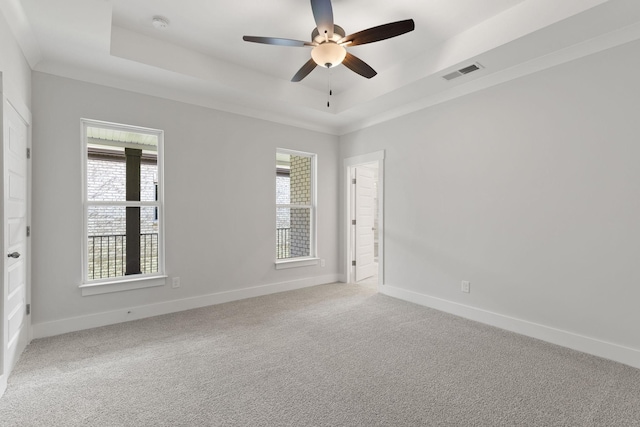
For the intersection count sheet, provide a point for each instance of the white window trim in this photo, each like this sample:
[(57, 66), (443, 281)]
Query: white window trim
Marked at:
[(118, 285), (283, 264), (313, 258), (138, 281)]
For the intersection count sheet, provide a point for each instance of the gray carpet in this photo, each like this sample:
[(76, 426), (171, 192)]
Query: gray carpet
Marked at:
[(332, 355)]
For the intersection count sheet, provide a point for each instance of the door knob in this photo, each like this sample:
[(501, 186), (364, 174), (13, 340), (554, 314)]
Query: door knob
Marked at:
[(14, 255)]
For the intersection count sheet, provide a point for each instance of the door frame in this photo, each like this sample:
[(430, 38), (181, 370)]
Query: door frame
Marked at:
[(25, 114), (349, 164)]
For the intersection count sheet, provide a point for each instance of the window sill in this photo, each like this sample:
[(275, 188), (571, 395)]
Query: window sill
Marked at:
[(298, 262), (119, 285)]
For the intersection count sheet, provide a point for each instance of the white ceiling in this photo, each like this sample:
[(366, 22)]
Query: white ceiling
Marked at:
[(201, 58)]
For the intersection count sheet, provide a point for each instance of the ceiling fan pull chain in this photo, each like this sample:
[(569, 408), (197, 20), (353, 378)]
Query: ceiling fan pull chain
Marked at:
[(330, 91)]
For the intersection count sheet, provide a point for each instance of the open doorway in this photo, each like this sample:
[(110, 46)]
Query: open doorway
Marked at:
[(364, 207)]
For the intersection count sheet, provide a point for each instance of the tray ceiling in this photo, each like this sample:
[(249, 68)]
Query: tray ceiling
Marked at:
[(201, 58)]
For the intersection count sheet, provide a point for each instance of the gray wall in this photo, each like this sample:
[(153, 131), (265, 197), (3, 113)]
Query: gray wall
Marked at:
[(219, 196), (530, 190)]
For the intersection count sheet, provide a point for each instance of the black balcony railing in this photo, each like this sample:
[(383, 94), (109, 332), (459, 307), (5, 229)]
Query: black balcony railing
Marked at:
[(107, 255), (283, 243)]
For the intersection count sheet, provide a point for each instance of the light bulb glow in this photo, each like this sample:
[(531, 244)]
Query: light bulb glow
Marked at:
[(328, 54)]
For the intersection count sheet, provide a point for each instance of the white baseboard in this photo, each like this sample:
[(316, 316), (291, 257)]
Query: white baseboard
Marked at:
[(57, 327), (607, 350)]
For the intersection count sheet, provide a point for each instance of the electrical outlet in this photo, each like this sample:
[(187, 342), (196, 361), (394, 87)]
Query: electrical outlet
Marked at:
[(175, 282), (322, 264), (466, 287)]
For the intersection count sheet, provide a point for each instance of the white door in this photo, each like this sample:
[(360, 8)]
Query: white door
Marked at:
[(15, 289), (364, 216)]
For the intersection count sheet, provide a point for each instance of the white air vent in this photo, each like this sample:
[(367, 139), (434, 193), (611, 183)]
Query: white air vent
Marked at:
[(462, 71)]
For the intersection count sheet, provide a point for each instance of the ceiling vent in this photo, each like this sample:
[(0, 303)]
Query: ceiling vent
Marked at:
[(462, 71)]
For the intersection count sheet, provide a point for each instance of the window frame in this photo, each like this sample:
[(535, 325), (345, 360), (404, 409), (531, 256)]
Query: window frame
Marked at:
[(312, 258), (137, 281)]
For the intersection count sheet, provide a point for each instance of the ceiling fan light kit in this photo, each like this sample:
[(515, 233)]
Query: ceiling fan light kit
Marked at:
[(328, 54), (329, 42)]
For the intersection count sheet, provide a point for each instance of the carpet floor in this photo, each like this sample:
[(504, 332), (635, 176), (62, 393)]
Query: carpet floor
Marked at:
[(331, 355)]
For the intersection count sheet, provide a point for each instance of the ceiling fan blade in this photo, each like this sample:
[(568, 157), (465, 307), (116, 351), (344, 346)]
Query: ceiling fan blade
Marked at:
[(277, 41), (304, 71), (357, 65), (323, 14), (381, 32)]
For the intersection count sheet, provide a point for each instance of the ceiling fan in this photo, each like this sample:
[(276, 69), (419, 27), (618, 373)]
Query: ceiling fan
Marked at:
[(329, 41)]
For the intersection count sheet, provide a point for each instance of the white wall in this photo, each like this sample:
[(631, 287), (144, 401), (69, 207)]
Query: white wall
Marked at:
[(531, 191), (219, 200)]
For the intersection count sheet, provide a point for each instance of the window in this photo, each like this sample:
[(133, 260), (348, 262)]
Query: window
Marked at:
[(122, 206), (295, 206)]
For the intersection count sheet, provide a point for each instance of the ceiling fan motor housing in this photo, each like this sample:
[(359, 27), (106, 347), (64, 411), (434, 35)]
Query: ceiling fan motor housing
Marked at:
[(338, 33)]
